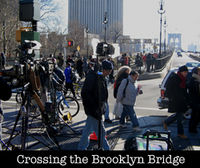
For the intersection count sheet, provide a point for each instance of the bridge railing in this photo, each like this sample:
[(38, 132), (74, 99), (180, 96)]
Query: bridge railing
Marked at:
[(161, 62)]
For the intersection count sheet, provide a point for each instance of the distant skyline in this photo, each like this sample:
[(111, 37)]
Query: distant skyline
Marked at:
[(141, 19)]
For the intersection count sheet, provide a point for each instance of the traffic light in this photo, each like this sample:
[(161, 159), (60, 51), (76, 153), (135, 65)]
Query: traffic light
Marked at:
[(70, 43)]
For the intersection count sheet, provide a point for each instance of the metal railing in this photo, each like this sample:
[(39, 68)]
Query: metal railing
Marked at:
[(160, 63)]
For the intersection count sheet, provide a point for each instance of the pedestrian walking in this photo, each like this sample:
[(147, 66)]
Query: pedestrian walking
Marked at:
[(178, 99), (127, 92), (138, 62), (60, 60), (122, 73), (85, 66), (153, 61), (79, 67), (194, 95), (148, 62), (68, 78), (94, 85)]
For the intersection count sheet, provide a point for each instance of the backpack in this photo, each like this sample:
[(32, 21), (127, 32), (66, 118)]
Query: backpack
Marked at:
[(116, 86)]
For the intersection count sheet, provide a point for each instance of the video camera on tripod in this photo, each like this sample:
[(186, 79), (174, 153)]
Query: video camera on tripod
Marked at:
[(16, 75), (104, 49), (27, 49)]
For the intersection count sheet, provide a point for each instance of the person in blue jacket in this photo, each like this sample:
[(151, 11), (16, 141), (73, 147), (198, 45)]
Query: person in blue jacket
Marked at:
[(68, 79)]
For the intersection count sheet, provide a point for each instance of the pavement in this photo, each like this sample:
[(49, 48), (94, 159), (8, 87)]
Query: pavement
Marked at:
[(156, 123)]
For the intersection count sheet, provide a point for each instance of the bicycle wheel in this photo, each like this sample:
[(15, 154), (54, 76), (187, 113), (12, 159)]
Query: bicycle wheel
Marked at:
[(68, 104)]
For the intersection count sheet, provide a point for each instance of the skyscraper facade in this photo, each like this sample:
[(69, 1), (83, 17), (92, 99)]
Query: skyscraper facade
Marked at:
[(90, 13)]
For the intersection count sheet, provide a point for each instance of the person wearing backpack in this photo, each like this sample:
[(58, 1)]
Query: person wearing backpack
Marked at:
[(127, 92), (123, 73)]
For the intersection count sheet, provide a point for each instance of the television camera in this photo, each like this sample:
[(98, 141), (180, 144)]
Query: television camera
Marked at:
[(104, 49), (16, 76)]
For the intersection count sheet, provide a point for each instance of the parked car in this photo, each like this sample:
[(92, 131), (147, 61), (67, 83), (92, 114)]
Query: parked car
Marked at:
[(192, 64), (162, 101)]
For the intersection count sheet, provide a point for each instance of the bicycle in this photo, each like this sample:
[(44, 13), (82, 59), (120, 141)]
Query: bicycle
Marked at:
[(67, 104)]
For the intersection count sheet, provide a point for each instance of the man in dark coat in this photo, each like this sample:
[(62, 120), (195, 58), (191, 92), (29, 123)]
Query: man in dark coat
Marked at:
[(79, 67), (60, 59), (94, 85), (179, 99)]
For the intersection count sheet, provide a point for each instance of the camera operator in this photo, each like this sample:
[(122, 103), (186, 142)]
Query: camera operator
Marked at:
[(5, 94), (90, 96)]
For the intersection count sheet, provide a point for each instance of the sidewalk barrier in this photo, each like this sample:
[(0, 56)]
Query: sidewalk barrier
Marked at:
[(160, 63)]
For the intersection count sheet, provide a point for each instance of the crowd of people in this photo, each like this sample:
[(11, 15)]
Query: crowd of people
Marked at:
[(95, 93), (126, 89), (146, 60)]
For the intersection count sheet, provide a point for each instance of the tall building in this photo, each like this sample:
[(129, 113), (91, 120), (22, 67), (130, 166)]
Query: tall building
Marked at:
[(90, 13)]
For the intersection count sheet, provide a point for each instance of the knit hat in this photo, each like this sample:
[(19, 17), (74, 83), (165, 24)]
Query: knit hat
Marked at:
[(183, 68), (107, 65)]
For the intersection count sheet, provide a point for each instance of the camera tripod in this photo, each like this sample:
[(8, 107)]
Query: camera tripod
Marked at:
[(53, 87), (30, 91)]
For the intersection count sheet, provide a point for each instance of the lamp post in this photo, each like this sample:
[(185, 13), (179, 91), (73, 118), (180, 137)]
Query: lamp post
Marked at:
[(105, 23), (87, 31), (165, 31), (161, 11)]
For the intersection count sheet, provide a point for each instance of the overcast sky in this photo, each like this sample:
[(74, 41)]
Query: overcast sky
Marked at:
[(141, 18)]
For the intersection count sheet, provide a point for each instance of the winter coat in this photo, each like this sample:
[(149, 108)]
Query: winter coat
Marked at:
[(90, 95), (130, 93), (179, 98), (68, 74)]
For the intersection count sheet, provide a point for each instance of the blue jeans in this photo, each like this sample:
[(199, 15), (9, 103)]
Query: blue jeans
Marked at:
[(129, 110), (106, 115), (92, 125), (179, 117)]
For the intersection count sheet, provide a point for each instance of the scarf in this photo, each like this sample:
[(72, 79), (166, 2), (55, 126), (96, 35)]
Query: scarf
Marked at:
[(183, 80)]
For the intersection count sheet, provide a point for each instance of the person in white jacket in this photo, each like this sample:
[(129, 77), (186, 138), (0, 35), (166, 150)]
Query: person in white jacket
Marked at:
[(127, 92), (123, 73)]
